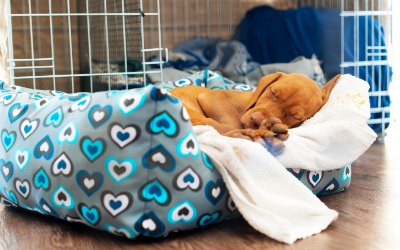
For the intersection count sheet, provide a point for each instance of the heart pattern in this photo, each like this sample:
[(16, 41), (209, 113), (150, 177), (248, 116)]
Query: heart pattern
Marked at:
[(315, 177), (207, 219), (330, 188), (159, 157), (230, 205), (23, 187), (296, 172), (7, 99), (207, 161), (6, 201), (123, 136), (61, 197), (188, 146), (41, 180), (116, 204), (157, 95), (39, 104), (98, 115), (45, 206), (188, 178), (346, 173), (120, 171), (121, 231), (22, 158), (101, 182), (8, 139), (17, 111), (44, 148), (182, 83), (28, 127), (215, 191), (11, 196), (80, 105), (242, 87), (89, 183), (55, 118), (184, 211), (62, 165), (155, 190), (69, 133), (163, 122), (7, 169), (93, 149), (149, 224), (92, 214), (212, 76), (131, 102)]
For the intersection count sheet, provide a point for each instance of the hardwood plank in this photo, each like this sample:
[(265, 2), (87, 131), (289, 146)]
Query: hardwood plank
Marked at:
[(369, 219)]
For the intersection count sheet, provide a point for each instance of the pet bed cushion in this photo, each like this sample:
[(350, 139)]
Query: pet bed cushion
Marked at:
[(122, 161)]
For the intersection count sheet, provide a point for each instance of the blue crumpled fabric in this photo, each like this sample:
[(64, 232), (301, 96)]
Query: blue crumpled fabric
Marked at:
[(213, 54), (276, 36)]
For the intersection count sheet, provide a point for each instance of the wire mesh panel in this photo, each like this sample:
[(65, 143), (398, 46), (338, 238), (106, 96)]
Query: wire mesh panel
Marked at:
[(83, 45)]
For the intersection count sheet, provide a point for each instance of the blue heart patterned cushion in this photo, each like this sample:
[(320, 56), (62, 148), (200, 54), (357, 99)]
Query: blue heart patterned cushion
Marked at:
[(122, 161)]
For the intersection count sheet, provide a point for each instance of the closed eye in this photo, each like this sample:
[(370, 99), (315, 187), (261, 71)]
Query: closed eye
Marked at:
[(297, 117), (273, 94)]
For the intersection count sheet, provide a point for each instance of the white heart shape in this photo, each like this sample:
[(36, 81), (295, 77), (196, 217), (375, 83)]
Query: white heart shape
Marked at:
[(25, 155), (98, 116), (16, 112), (65, 171), (181, 184), (215, 192), (26, 123), (159, 157), (122, 198), (117, 128), (149, 224), (89, 183), (25, 184), (6, 170), (119, 176), (44, 147)]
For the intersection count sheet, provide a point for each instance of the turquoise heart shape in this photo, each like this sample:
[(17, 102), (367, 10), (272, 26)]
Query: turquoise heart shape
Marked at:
[(42, 180), (155, 190), (54, 118), (91, 215), (163, 122), (92, 150), (8, 139)]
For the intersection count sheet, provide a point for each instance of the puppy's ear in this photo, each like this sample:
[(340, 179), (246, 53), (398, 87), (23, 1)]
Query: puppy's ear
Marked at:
[(327, 89), (262, 85)]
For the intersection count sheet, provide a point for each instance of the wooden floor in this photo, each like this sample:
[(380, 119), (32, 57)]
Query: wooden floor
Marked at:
[(369, 218)]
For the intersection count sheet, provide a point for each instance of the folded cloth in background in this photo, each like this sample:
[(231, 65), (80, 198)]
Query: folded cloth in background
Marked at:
[(270, 198), (308, 67), (276, 36), (213, 54), (301, 65)]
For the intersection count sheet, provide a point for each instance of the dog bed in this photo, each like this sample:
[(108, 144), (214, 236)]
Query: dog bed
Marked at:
[(122, 161)]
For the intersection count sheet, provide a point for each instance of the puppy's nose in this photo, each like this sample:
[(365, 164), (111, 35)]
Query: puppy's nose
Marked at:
[(257, 118)]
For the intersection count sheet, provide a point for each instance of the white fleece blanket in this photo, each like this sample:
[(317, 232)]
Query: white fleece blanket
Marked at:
[(269, 197)]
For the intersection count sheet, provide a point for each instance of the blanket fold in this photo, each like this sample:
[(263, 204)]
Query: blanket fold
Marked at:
[(269, 197)]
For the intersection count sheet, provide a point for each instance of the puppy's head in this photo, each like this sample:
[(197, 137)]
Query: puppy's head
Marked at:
[(292, 98)]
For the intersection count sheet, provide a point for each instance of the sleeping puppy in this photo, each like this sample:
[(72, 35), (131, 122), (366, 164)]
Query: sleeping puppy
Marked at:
[(281, 101)]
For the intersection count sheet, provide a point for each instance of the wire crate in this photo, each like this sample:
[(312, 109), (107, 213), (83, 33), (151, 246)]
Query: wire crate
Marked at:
[(93, 45)]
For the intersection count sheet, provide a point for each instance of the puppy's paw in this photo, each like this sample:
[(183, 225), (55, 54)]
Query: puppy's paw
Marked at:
[(275, 125)]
